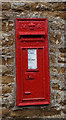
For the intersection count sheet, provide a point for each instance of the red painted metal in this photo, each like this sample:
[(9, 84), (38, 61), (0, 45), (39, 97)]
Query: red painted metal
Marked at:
[(32, 85)]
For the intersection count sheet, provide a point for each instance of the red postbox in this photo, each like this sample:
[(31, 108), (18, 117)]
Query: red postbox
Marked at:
[(32, 62)]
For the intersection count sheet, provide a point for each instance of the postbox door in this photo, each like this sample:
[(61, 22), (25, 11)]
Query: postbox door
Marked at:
[(32, 73)]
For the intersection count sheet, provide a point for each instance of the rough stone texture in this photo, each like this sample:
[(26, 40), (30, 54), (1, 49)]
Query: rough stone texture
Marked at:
[(6, 89), (6, 6), (7, 79), (5, 112), (55, 12)]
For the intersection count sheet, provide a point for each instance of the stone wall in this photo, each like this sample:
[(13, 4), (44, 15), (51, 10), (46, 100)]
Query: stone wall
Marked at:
[(55, 12)]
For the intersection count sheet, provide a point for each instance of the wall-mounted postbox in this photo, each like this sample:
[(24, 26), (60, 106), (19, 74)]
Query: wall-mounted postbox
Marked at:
[(32, 62)]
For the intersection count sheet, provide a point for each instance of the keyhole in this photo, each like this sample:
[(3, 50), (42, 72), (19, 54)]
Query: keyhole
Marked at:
[(28, 76)]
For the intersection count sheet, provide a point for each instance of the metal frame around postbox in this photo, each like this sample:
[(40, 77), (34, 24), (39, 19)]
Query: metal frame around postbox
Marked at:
[(19, 79)]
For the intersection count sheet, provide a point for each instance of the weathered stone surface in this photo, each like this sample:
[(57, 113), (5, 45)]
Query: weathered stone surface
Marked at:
[(11, 37), (63, 15), (0, 60), (52, 96), (53, 69), (51, 112), (61, 70), (4, 69), (52, 49), (7, 39), (35, 113), (40, 6), (5, 112), (58, 6), (64, 111), (52, 38), (4, 102), (7, 15), (27, 112), (56, 38), (63, 55), (7, 79), (60, 60), (7, 25), (10, 25), (6, 5), (6, 89), (62, 50), (7, 43), (6, 51), (55, 77), (53, 59), (1, 113), (56, 25), (10, 70), (10, 60), (20, 6), (3, 61), (0, 91), (55, 86), (4, 26)]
